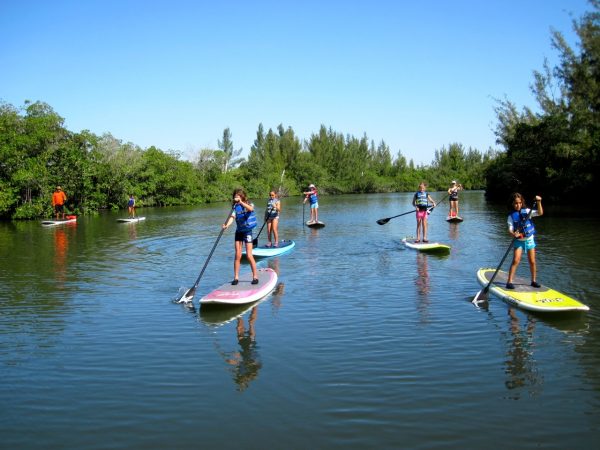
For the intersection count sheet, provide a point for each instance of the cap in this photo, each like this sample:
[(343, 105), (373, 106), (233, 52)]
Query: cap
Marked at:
[(311, 185), (453, 181)]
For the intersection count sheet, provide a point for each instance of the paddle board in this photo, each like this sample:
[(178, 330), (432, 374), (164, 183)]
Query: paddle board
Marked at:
[(136, 219), (542, 299), (49, 223), (454, 219), (244, 291), (262, 251), (317, 224), (427, 247)]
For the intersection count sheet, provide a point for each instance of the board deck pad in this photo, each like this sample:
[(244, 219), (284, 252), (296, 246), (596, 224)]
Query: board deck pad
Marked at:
[(317, 224), (244, 291), (136, 219), (262, 251), (525, 296), (427, 247)]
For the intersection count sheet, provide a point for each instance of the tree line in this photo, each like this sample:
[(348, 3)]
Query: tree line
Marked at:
[(555, 152), (37, 153)]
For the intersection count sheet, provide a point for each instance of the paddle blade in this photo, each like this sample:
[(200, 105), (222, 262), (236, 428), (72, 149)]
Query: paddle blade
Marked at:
[(188, 296), (383, 221), (481, 299), (255, 243)]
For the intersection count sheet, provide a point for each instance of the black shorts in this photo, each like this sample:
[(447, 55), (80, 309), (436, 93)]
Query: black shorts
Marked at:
[(243, 236), (59, 208)]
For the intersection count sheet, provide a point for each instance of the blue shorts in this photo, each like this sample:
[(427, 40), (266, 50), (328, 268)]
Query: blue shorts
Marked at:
[(243, 236), (314, 205), (526, 244)]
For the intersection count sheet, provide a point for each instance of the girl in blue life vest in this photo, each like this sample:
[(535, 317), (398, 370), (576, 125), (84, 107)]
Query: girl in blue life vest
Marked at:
[(243, 213), (131, 206), (312, 195), (521, 228), (421, 201), (272, 219)]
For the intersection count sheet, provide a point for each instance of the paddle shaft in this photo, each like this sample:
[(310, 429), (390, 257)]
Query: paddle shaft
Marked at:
[(387, 219), (192, 291), (255, 240), (487, 287)]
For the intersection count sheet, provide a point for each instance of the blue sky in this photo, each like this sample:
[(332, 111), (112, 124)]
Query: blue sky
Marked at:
[(175, 74)]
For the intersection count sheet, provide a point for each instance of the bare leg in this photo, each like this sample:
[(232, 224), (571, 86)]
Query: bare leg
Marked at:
[(237, 259), (250, 258), (515, 263), (532, 264)]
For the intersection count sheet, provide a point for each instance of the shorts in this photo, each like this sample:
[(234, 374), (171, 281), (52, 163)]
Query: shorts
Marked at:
[(243, 236), (59, 208), (421, 214), (525, 244), (314, 205)]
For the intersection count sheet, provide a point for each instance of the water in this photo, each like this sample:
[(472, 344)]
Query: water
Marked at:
[(364, 344)]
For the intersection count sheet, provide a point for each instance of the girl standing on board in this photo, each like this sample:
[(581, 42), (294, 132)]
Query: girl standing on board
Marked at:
[(453, 199), (314, 203), (521, 228), (131, 206), (421, 201), (272, 218), (245, 218)]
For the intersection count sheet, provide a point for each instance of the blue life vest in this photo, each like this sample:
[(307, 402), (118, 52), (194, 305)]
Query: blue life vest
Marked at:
[(421, 199), (522, 223), (313, 197), (271, 207), (245, 220)]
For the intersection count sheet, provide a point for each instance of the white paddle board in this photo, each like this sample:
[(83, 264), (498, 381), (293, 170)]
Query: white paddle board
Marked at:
[(49, 223), (427, 247), (135, 219), (244, 291)]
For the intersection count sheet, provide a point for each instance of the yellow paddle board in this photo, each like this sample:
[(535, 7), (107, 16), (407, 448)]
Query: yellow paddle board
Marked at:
[(525, 296)]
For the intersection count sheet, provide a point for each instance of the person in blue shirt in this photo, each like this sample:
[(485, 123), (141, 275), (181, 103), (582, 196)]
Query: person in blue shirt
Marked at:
[(131, 206), (522, 230), (313, 197), (243, 214)]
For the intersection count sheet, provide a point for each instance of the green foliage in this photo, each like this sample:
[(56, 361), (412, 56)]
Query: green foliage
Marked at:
[(100, 172), (555, 153)]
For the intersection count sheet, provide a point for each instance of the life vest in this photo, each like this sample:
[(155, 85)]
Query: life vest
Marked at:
[(244, 219), (271, 207), (313, 197), (131, 202), (522, 223), (454, 194), (421, 199)]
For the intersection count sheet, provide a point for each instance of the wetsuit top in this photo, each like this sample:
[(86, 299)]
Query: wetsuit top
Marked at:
[(245, 220), (518, 220), (421, 199)]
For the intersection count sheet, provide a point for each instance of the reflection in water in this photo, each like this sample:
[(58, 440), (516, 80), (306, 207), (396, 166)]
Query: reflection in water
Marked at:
[(246, 362), (422, 283), (132, 228), (520, 365), (453, 231), (61, 244), (279, 288)]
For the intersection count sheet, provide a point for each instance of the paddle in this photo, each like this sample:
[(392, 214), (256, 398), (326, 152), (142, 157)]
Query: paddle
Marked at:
[(189, 295), (482, 296), (255, 240), (387, 219)]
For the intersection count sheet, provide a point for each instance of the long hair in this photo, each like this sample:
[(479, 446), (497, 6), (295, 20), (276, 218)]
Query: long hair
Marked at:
[(241, 193), (516, 196)]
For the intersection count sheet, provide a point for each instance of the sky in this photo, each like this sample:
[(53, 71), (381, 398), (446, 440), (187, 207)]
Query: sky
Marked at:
[(174, 74)]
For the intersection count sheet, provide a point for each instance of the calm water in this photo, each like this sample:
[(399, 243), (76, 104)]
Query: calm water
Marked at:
[(363, 344)]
